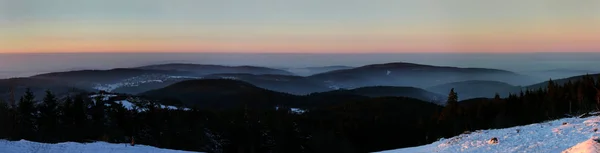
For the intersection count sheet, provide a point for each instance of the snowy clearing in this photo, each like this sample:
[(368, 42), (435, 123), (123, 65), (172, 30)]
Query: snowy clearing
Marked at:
[(104, 97), (551, 137), (131, 106), (139, 80), (128, 104), (24, 146), (294, 110)]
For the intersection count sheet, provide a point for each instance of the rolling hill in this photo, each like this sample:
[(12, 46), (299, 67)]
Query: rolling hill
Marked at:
[(415, 75), (219, 93), (137, 80), (282, 83), (383, 76), (227, 93)]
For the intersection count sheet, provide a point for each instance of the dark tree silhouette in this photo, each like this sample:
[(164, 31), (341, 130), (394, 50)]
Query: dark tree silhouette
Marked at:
[(26, 115), (48, 120)]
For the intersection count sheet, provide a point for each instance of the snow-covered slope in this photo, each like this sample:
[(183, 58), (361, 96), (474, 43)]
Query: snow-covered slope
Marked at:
[(72, 147), (549, 137), (590, 146)]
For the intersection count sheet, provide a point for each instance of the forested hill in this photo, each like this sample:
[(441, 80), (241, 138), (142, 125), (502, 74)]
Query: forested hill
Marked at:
[(219, 93), (341, 123)]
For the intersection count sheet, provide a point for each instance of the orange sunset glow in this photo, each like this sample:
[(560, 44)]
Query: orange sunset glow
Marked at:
[(518, 27)]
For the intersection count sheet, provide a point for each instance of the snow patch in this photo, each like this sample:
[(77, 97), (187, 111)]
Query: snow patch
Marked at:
[(173, 107), (297, 110), (24, 146), (127, 104), (294, 110)]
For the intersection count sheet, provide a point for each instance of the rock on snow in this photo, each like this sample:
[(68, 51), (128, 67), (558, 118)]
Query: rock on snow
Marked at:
[(578, 135), (24, 146)]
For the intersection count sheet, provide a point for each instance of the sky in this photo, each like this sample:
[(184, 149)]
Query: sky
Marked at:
[(299, 26)]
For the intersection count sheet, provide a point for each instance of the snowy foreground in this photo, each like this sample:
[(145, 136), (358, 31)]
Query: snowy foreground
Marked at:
[(569, 135), (73, 147)]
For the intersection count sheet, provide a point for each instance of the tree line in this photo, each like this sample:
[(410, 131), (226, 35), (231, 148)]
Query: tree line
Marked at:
[(364, 125), (572, 98)]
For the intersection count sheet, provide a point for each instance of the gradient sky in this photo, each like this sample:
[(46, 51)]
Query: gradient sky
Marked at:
[(299, 26)]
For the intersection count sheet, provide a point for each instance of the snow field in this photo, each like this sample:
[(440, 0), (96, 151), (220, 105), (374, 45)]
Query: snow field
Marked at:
[(549, 137), (24, 146)]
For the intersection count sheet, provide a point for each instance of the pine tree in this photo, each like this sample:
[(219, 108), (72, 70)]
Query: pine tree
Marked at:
[(4, 119), (11, 100), (66, 119), (48, 122), (26, 114), (452, 98), (450, 112), (80, 118), (497, 96), (597, 98), (98, 117), (521, 95), (119, 125)]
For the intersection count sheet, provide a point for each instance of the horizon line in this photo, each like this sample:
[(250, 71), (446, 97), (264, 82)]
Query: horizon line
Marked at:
[(306, 53)]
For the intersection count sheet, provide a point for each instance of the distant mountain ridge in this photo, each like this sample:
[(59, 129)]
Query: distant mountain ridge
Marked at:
[(560, 73), (200, 69), (307, 71), (560, 81), (141, 79), (137, 80), (415, 75)]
